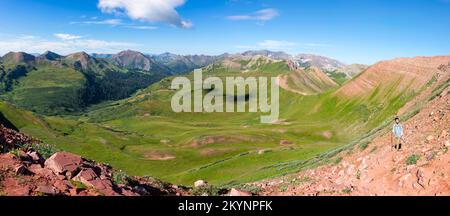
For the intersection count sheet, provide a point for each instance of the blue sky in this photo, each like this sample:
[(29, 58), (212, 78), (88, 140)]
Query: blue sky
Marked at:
[(353, 31)]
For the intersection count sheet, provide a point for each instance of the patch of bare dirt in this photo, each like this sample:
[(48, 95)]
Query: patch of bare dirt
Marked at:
[(327, 134), (158, 156)]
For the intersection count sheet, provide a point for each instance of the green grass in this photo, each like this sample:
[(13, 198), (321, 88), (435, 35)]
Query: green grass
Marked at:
[(339, 78), (338, 160), (346, 190), (49, 90), (133, 134), (412, 159)]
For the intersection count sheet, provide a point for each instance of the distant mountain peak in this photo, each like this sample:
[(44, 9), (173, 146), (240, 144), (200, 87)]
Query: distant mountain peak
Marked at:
[(79, 55), (81, 58), (130, 53), (18, 57), (267, 53), (133, 60), (49, 55), (322, 62)]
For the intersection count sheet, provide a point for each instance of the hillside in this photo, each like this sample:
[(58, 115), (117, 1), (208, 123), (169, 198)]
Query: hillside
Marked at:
[(143, 136), (181, 64), (322, 62), (137, 61), (376, 169), (351, 70), (307, 81), (245, 63), (392, 77), (52, 84)]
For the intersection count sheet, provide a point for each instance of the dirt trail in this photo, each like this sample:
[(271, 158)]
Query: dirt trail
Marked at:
[(422, 167)]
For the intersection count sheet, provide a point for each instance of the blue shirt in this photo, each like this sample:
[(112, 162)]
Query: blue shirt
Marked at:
[(397, 130)]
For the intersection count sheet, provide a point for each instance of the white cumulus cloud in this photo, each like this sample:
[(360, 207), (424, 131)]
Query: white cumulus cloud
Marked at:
[(67, 36), (261, 15), (147, 10), (113, 22)]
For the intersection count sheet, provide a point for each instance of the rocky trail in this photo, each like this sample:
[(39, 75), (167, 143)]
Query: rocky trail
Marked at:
[(422, 167)]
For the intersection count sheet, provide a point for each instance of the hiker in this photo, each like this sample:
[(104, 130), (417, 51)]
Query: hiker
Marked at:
[(397, 131)]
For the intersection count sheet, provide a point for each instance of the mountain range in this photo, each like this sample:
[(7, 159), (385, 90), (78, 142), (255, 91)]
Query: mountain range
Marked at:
[(54, 84), (95, 108)]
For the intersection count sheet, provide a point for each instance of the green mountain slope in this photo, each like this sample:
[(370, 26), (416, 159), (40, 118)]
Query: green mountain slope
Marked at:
[(179, 64), (51, 84), (307, 81), (143, 136)]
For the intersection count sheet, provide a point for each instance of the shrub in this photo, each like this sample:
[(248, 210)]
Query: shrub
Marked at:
[(338, 160), (209, 190), (363, 146), (412, 160), (45, 150), (346, 190), (283, 188), (120, 177), (78, 185), (254, 189)]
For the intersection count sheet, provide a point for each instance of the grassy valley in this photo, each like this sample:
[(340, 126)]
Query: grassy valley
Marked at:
[(142, 136)]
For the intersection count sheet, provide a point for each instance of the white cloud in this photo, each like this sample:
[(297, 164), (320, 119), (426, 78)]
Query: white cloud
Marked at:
[(147, 10), (261, 15), (61, 46), (274, 44), (66, 36), (113, 22)]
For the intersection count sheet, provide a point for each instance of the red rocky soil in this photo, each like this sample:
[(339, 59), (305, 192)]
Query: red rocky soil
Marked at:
[(381, 170)]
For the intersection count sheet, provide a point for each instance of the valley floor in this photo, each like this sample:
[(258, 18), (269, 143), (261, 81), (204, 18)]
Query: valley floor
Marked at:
[(422, 167)]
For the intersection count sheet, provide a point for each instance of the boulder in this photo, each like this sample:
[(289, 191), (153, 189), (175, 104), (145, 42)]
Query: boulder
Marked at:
[(61, 185), (236, 192), (200, 183), (43, 172), (105, 187), (35, 157), (88, 177), (64, 163), (85, 176), (23, 156), (19, 191), (22, 170), (73, 192), (47, 190)]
